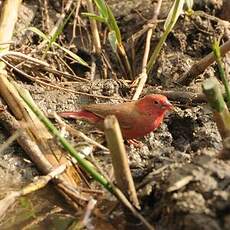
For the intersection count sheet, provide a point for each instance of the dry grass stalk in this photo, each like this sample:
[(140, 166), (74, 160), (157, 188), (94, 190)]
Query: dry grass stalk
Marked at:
[(94, 30), (143, 76), (7, 20), (120, 159)]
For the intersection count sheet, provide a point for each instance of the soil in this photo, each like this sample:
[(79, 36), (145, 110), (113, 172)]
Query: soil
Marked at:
[(181, 181)]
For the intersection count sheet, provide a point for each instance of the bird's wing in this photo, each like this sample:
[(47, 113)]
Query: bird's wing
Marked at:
[(124, 112)]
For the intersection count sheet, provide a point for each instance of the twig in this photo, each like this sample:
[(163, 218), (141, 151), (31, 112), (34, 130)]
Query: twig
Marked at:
[(180, 183), (88, 212), (8, 18), (94, 30), (24, 56), (146, 27), (142, 80), (184, 97), (9, 141), (75, 21), (199, 67), (86, 218), (47, 68), (147, 179), (58, 87), (46, 14), (42, 181), (41, 218)]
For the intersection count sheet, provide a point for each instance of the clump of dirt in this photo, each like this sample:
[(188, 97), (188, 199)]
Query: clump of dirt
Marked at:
[(193, 195), (189, 130)]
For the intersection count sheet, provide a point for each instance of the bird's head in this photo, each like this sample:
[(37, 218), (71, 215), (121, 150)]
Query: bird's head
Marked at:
[(155, 103)]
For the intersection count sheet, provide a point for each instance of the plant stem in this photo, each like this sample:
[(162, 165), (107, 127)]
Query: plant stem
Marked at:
[(168, 29), (219, 108), (119, 156), (217, 55)]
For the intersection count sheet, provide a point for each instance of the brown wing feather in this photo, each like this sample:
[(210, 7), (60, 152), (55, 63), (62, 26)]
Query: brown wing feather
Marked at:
[(124, 112)]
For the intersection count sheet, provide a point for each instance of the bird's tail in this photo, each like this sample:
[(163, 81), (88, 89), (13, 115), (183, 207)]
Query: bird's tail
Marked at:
[(81, 114)]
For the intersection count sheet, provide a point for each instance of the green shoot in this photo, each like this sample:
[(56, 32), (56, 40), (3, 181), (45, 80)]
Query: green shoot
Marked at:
[(112, 24), (27, 204), (106, 16), (70, 53), (58, 32), (217, 55), (211, 89), (60, 28), (189, 4), (174, 13)]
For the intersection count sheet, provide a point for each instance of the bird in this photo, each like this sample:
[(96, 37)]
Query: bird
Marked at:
[(136, 118)]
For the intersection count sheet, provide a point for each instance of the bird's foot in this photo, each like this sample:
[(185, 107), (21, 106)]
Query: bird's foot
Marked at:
[(135, 143)]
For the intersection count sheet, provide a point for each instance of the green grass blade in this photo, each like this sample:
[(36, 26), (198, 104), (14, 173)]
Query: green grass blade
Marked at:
[(189, 4), (217, 55), (113, 25), (113, 40), (94, 16), (102, 8), (39, 33), (61, 28), (71, 54), (174, 13)]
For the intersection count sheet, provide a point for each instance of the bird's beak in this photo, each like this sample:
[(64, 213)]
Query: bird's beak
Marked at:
[(168, 105)]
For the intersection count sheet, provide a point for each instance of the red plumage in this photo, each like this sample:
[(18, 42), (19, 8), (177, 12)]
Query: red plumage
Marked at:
[(136, 118)]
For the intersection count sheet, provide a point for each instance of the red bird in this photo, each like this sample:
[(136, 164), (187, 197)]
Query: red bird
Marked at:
[(136, 118)]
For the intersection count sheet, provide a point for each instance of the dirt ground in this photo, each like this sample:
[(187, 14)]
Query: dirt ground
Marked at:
[(181, 182)]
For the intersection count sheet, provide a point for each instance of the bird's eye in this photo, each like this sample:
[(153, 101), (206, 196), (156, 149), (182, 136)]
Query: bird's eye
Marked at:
[(156, 102)]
